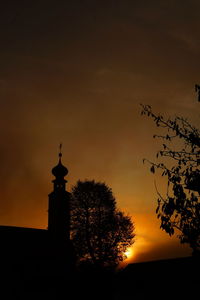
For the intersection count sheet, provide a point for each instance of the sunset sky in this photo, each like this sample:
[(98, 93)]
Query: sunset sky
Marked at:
[(76, 72)]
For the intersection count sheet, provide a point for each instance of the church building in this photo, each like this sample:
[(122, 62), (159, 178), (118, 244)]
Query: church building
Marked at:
[(29, 253)]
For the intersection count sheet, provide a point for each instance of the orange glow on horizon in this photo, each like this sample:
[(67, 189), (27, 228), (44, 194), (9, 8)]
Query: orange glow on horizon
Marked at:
[(129, 253)]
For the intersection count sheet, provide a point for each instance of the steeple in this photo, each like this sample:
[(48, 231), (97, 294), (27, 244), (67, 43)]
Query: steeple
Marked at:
[(59, 172), (59, 202)]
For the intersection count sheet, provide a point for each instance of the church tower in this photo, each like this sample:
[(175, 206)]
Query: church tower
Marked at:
[(59, 204)]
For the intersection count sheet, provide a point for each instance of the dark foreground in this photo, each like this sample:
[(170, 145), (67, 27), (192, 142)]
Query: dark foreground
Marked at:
[(166, 279)]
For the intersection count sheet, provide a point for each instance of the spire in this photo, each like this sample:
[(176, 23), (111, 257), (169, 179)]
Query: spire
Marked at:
[(60, 171), (60, 153)]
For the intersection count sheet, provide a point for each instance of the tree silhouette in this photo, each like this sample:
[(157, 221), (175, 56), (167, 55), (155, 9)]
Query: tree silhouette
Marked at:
[(100, 233), (180, 208)]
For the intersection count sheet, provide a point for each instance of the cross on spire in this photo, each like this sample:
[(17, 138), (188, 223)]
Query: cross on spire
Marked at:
[(60, 153)]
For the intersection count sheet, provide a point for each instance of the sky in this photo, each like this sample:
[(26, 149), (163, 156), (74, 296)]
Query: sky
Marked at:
[(76, 72)]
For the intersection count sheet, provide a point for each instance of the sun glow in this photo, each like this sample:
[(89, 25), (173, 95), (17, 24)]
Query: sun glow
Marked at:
[(129, 253)]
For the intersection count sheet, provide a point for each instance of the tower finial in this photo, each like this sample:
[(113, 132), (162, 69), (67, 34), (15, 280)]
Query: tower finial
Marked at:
[(60, 171), (60, 153)]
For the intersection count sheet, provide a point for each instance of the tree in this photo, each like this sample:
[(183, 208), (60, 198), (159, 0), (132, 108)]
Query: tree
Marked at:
[(100, 233), (179, 210)]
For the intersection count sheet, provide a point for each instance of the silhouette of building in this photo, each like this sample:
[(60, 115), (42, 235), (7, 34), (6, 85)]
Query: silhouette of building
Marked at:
[(30, 255), (59, 201)]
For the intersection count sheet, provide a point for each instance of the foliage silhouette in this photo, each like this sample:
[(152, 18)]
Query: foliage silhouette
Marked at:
[(180, 208), (100, 233)]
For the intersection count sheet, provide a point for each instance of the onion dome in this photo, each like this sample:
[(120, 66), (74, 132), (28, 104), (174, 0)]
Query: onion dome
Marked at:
[(59, 171)]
